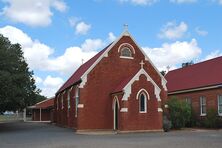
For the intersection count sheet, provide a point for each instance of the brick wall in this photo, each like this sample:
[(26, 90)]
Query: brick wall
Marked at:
[(96, 95), (211, 98)]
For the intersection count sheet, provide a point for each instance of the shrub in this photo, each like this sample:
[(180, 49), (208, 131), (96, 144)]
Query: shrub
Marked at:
[(211, 119), (219, 122), (193, 119), (180, 112), (166, 124)]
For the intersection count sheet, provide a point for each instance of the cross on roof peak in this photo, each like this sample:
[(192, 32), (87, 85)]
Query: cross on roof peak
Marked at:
[(142, 64), (125, 27)]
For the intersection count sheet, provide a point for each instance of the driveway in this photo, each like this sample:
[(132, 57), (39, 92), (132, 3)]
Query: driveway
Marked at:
[(40, 135)]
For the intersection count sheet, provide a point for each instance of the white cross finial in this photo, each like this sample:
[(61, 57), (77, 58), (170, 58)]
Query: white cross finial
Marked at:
[(125, 27), (142, 63)]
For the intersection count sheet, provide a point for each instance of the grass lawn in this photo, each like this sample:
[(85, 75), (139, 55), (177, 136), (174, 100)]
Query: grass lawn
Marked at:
[(9, 118)]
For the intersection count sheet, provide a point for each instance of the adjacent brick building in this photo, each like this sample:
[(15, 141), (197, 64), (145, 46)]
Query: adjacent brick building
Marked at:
[(43, 111), (117, 89), (199, 84)]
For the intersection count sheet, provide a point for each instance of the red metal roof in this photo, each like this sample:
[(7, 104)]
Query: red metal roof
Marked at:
[(45, 104), (207, 73), (121, 85), (81, 70)]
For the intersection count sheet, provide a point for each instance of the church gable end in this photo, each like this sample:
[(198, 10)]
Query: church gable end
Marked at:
[(109, 87)]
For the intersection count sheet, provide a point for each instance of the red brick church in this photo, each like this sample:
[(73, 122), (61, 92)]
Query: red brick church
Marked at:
[(118, 89)]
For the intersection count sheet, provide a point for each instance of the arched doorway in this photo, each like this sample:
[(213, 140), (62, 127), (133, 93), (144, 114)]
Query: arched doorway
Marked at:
[(116, 114)]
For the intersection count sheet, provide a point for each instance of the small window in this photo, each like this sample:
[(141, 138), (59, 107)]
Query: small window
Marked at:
[(188, 100), (203, 110), (68, 99), (220, 105), (76, 101), (62, 102), (142, 103), (126, 52)]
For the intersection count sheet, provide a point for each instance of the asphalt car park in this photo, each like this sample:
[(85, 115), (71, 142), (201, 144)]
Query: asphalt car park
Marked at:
[(43, 135)]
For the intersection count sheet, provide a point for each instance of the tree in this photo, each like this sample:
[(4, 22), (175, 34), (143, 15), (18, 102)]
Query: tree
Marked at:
[(17, 85), (163, 72), (179, 111)]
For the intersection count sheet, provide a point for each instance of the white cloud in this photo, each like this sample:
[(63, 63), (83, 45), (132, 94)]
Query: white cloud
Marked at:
[(140, 2), (59, 5), (212, 55), (111, 37), (39, 56), (51, 85), (38, 80), (183, 1), (82, 28), (173, 54), (220, 2), (173, 31), (92, 44), (201, 32), (32, 12), (73, 21)]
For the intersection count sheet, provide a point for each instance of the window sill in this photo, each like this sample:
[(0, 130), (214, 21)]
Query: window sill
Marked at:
[(220, 115), (143, 112), (126, 57), (202, 115)]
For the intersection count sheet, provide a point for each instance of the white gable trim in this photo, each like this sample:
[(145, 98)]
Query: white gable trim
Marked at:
[(137, 96), (163, 80), (127, 44), (127, 89), (105, 54)]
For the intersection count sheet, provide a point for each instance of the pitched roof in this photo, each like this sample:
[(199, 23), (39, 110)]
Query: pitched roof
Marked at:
[(44, 104), (81, 70), (122, 84), (207, 73)]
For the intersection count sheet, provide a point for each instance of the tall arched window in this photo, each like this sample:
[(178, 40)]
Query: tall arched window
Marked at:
[(142, 103), (126, 52)]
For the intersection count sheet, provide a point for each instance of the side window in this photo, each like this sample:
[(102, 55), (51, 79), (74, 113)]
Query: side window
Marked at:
[(142, 103), (68, 99), (220, 105), (62, 101), (188, 100), (203, 110)]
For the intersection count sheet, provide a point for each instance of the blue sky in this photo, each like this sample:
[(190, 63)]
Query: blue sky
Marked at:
[(57, 34)]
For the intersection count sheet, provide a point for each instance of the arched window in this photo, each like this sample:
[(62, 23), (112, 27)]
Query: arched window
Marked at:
[(126, 52), (142, 103)]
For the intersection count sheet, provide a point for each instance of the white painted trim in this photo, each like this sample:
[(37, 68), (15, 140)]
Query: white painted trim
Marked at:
[(125, 45), (201, 109), (137, 96), (123, 57), (114, 111), (194, 89), (127, 88), (159, 109), (148, 59), (114, 100), (145, 103), (80, 105), (125, 110), (164, 84), (105, 54)]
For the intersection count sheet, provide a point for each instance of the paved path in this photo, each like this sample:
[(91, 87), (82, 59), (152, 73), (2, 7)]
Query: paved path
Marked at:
[(40, 135)]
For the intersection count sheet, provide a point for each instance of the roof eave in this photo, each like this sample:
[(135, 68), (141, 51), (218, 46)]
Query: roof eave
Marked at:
[(195, 89)]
